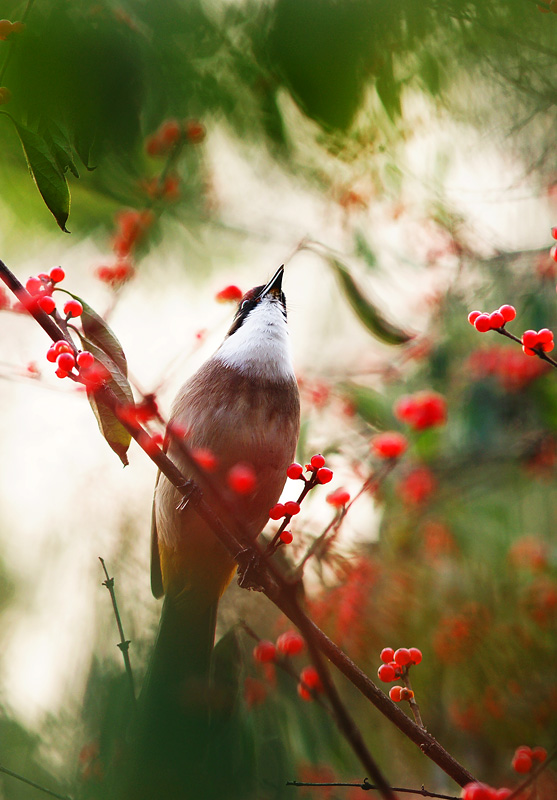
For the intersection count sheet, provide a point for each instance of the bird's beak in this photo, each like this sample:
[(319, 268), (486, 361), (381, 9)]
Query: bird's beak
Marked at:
[(275, 284)]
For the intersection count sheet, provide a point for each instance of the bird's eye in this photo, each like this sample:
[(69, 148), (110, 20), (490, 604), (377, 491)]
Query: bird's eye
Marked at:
[(245, 304)]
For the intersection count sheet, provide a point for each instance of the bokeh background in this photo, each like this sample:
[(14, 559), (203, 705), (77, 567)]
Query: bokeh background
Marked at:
[(413, 144)]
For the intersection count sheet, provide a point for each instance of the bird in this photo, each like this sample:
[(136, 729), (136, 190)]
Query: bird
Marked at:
[(242, 406)]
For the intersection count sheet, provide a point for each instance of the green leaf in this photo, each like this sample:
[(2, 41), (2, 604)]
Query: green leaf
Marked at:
[(60, 148), (100, 334), (365, 310), (46, 173), (389, 91)]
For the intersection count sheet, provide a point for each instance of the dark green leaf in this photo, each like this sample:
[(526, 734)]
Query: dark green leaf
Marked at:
[(98, 333), (366, 311), (50, 180), (389, 91), (60, 148), (362, 248)]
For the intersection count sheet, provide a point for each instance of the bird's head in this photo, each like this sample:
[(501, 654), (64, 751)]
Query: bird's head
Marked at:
[(257, 342)]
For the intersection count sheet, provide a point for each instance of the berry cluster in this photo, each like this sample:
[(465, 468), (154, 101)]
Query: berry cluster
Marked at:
[(494, 321), (524, 757), (396, 664), (40, 288), (507, 365), (339, 498), (131, 228), (481, 791), (422, 410), (541, 340), (319, 474), (389, 444), (163, 188), (64, 356), (310, 682), (170, 133), (289, 643)]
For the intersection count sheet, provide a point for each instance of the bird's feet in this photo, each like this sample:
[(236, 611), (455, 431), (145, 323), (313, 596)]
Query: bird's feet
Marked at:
[(190, 492), (249, 563)]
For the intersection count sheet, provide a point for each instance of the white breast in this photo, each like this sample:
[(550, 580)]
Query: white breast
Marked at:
[(261, 346)]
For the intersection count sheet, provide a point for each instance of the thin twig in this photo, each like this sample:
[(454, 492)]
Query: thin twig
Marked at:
[(366, 786), (38, 786), (414, 707), (123, 644)]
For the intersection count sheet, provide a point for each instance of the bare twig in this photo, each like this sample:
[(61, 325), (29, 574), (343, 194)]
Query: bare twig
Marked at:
[(38, 786), (366, 786), (123, 644)]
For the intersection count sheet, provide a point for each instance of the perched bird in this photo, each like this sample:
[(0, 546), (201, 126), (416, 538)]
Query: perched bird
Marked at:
[(242, 407)]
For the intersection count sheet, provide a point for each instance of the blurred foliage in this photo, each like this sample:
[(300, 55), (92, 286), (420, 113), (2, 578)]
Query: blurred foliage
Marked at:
[(464, 564)]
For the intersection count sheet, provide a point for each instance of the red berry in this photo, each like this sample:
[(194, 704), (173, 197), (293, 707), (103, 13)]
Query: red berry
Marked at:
[(34, 285), (242, 479), (496, 319), (51, 355), (508, 313), (317, 461), (292, 508), (61, 346), (338, 498), (386, 673), (389, 444), (85, 360), (406, 694), (387, 654), (482, 323), (522, 762), (202, 456), (195, 132), (473, 316), (47, 304), (264, 651), (477, 791), (169, 132), (61, 373), (310, 677), (530, 339), (66, 361), (394, 693), (500, 794), (415, 654), (277, 511), (529, 351), (286, 537), (73, 308), (547, 347), (294, 471), (57, 274), (402, 656), (324, 475), (539, 754), (290, 643), (545, 336), (304, 693), (554, 232), (230, 293)]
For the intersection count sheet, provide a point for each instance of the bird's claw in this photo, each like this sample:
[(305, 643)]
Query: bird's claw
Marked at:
[(190, 491), (248, 562)]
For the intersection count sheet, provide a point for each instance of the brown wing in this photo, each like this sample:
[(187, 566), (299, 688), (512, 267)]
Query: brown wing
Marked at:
[(156, 573)]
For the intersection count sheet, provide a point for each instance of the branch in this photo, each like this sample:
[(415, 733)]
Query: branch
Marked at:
[(366, 786), (38, 786), (123, 644), (257, 572)]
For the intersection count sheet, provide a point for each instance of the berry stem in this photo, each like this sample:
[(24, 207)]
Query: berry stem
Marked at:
[(274, 544), (414, 707), (533, 775), (366, 786)]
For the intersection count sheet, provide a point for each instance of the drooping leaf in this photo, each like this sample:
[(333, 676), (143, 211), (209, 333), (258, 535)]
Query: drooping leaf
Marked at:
[(366, 311), (111, 428), (389, 91), (46, 173), (100, 334), (60, 148)]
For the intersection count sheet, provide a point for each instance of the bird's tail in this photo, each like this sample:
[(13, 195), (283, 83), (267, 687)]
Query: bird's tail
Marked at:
[(171, 741)]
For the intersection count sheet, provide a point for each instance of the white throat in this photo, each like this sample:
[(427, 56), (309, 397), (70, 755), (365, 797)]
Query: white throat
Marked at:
[(261, 346)]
